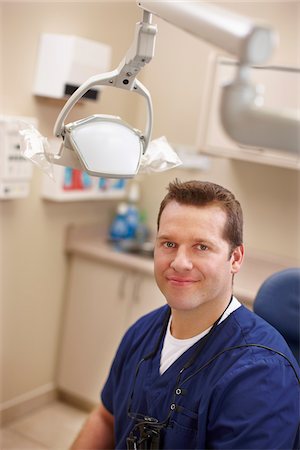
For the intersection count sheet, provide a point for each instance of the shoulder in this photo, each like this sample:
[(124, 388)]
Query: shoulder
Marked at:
[(254, 348), (255, 358), (255, 330), (246, 344), (260, 384)]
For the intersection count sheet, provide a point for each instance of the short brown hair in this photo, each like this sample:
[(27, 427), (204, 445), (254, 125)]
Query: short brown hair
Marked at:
[(202, 193)]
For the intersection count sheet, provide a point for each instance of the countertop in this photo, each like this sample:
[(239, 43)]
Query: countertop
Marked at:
[(90, 241)]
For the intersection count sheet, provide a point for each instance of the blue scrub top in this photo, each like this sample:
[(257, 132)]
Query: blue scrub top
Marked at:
[(245, 398)]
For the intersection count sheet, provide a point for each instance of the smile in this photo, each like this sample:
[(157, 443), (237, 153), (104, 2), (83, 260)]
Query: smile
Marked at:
[(176, 281)]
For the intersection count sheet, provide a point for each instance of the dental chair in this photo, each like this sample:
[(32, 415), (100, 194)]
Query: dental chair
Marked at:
[(278, 302)]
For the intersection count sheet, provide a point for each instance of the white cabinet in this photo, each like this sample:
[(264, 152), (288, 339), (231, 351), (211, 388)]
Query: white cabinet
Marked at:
[(103, 300)]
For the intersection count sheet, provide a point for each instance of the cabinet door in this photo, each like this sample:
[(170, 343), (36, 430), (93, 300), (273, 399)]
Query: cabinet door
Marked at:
[(94, 322)]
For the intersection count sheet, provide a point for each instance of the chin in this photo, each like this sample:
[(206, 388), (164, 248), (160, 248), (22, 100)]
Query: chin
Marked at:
[(181, 304)]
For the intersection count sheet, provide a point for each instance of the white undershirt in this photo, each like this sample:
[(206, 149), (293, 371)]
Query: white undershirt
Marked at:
[(173, 348)]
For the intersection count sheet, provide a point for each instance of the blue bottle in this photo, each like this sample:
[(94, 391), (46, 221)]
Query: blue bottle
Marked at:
[(119, 228), (133, 215), (132, 218), (142, 232)]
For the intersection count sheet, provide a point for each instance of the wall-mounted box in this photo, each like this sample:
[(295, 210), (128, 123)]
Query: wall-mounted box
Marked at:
[(15, 169), (64, 62)]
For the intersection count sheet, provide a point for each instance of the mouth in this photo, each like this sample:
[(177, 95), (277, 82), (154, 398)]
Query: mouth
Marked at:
[(180, 282)]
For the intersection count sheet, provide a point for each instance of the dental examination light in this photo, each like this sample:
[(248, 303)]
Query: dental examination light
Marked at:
[(107, 146)]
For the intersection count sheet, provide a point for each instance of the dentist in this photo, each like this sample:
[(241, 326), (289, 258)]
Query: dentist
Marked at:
[(202, 371)]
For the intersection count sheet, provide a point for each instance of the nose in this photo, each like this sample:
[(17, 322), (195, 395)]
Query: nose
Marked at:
[(181, 261)]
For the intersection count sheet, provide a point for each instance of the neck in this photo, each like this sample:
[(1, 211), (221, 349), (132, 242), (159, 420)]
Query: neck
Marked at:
[(186, 324)]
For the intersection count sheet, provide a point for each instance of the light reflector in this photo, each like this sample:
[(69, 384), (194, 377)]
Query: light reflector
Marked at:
[(106, 146)]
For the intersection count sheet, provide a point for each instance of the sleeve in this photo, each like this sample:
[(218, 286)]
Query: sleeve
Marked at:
[(107, 391), (256, 407)]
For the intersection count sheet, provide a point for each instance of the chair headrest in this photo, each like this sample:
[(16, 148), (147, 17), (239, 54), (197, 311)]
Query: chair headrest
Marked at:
[(278, 302)]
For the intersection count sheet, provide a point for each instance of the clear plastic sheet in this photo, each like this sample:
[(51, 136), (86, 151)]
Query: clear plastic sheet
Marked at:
[(159, 157), (35, 147)]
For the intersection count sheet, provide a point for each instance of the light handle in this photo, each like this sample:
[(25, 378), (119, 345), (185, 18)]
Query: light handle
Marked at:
[(107, 79)]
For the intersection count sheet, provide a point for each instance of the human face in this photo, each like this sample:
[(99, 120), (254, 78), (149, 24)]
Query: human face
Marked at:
[(192, 262)]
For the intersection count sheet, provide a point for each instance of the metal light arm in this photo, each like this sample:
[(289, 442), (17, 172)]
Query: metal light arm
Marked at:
[(140, 53), (124, 77), (106, 79), (249, 42), (253, 125)]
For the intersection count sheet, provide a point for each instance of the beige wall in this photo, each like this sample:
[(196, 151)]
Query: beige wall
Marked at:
[(33, 230), (34, 269), (175, 78)]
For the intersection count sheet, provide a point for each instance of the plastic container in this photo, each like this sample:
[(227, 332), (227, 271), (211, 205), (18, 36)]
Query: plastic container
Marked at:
[(133, 215), (142, 231), (119, 228), (132, 218)]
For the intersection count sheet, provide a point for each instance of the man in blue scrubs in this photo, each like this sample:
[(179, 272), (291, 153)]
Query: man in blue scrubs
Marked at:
[(202, 372)]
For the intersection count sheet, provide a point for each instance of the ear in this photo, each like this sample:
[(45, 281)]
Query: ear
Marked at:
[(237, 258)]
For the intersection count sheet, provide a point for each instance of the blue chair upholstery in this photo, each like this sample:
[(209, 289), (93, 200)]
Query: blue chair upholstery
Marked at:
[(278, 302)]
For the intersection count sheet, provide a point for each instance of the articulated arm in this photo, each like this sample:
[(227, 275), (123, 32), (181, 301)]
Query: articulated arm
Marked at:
[(256, 126), (124, 77), (236, 34), (251, 44)]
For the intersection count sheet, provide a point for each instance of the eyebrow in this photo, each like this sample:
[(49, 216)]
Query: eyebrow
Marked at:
[(163, 237)]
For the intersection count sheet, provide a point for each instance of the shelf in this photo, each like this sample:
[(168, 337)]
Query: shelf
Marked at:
[(79, 196), (80, 186)]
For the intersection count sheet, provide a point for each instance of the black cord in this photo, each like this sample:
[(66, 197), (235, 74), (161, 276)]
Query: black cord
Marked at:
[(138, 416), (243, 346), (151, 421), (164, 423), (199, 347), (163, 330), (201, 344)]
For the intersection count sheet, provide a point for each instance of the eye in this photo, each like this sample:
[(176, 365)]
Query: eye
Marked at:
[(202, 247), (169, 244)]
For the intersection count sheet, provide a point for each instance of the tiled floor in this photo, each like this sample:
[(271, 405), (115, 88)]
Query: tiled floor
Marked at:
[(54, 426)]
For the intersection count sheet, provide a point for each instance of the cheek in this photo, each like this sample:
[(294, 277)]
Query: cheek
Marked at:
[(161, 262), (158, 273), (212, 265)]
